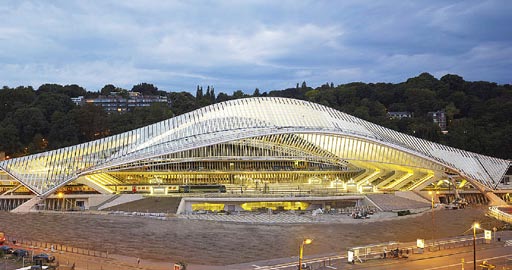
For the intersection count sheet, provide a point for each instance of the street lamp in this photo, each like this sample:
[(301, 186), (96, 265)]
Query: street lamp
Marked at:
[(61, 196), (475, 226), (306, 241), (432, 194)]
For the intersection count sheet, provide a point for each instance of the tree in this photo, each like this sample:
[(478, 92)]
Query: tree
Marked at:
[(10, 142), (29, 121), (199, 92), (49, 102), (92, 122), (478, 113), (212, 95), (182, 102), (13, 99), (50, 88), (64, 130), (453, 83), (144, 116), (362, 112), (145, 89), (421, 100), (423, 81), (107, 89), (221, 97), (239, 94), (74, 90), (451, 110)]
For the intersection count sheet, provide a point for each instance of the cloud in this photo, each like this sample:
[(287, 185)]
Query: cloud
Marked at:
[(247, 44), (260, 46)]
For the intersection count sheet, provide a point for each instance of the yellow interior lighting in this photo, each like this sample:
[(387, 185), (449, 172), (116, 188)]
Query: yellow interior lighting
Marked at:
[(463, 183), (208, 206), (252, 206), (337, 184)]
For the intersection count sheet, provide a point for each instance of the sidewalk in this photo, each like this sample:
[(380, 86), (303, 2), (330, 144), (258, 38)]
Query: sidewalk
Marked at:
[(428, 253)]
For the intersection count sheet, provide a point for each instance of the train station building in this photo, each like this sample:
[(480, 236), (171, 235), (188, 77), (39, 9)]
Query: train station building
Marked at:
[(254, 147)]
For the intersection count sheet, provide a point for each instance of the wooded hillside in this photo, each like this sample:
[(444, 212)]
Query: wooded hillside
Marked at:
[(479, 114)]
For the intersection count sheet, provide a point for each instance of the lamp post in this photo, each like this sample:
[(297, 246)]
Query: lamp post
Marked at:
[(306, 241), (475, 226), (61, 196), (432, 194)]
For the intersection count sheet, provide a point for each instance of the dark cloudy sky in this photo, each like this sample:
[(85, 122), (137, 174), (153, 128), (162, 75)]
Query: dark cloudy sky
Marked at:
[(233, 45)]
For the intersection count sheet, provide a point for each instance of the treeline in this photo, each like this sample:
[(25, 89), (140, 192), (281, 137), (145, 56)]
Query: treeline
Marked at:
[(478, 113)]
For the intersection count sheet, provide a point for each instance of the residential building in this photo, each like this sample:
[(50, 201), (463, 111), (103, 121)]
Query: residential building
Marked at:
[(399, 115), (439, 117), (115, 102)]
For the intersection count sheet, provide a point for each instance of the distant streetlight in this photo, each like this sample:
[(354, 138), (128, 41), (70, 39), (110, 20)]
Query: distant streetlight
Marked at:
[(306, 241), (432, 194), (475, 226), (61, 196)]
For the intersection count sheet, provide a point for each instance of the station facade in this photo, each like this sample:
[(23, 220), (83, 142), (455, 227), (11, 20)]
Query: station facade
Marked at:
[(264, 145)]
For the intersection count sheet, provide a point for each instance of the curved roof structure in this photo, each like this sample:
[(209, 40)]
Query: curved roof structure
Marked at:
[(300, 127)]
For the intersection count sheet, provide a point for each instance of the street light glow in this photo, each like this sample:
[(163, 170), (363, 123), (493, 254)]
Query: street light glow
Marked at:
[(475, 226), (306, 241)]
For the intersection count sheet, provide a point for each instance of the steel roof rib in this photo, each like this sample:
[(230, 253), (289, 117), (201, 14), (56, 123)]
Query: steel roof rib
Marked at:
[(233, 120)]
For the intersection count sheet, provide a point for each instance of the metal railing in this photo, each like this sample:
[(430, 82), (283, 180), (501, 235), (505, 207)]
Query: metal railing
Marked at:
[(55, 247), (498, 214)]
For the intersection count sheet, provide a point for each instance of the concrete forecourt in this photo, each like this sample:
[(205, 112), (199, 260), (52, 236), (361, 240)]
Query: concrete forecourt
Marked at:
[(244, 181)]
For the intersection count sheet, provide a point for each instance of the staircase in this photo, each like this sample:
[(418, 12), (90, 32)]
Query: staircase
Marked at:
[(121, 199), (101, 182), (28, 206), (390, 202), (412, 195), (97, 207)]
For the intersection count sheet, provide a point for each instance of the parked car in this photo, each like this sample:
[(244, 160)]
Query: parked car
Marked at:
[(305, 266), (6, 249), (20, 253), (2, 238), (45, 258), (451, 206)]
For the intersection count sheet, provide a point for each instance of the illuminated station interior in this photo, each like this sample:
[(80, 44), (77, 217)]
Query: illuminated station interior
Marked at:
[(255, 149)]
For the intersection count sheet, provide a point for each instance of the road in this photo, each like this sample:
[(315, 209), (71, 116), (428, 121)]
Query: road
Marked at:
[(496, 253)]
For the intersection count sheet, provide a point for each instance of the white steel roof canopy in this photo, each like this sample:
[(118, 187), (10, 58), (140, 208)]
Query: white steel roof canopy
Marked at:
[(353, 140)]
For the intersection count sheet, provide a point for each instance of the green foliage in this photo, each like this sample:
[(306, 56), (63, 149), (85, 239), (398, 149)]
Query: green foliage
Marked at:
[(145, 89), (478, 113), (10, 142), (72, 90), (29, 121), (50, 103), (63, 129), (107, 89), (12, 99), (182, 102)]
